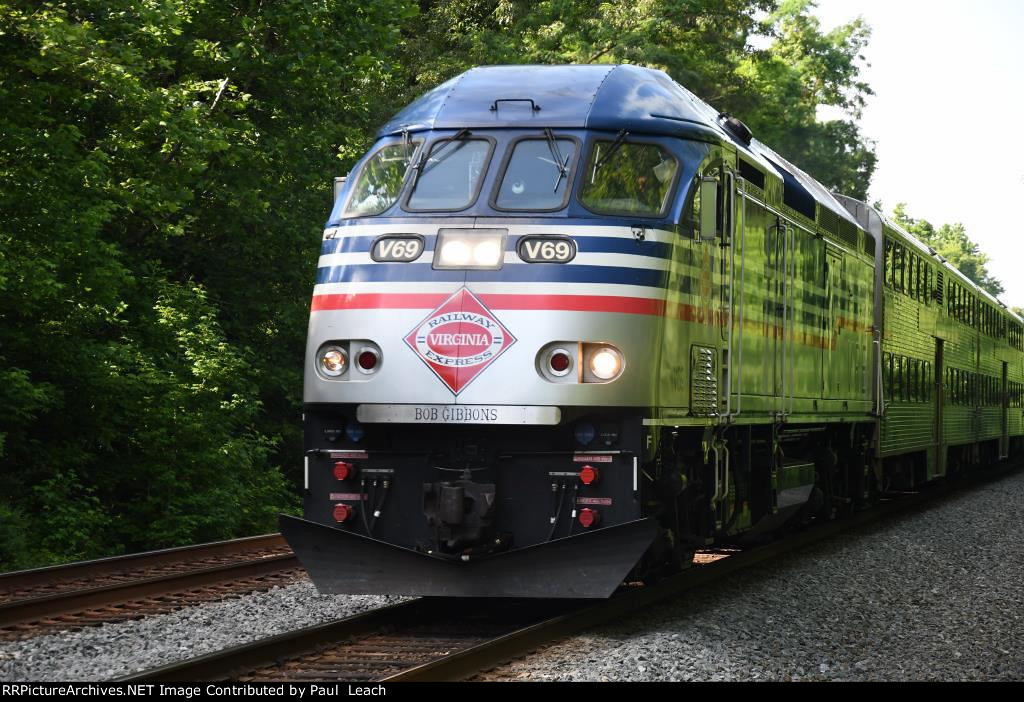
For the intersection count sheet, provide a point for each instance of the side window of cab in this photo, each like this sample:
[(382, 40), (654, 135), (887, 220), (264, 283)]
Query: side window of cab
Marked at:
[(628, 178), (380, 180)]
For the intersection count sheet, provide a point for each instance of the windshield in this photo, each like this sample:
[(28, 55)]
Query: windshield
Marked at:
[(380, 180), (449, 177), (628, 178), (537, 175)]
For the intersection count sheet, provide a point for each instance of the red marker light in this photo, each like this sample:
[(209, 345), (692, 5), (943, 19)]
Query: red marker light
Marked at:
[(560, 362), (343, 512), (589, 475), (344, 471), (588, 517), (367, 360)]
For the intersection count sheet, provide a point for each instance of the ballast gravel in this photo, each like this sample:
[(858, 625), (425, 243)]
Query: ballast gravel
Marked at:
[(935, 595), (113, 650)]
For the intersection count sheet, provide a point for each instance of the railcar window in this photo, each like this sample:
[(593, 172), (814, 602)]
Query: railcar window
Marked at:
[(450, 176), (908, 379), (887, 365), (911, 287), (925, 288), (919, 379), (898, 270), (537, 175), (912, 395), (628, 179), (379, 182), (887, 271)]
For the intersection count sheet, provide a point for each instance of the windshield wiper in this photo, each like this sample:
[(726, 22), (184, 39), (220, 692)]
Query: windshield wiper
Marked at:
[(424, 159), (556, 154), (619, 138), (405, 147)]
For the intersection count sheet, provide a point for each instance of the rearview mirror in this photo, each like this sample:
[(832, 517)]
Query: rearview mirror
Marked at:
[(339, 185), (708, 208)]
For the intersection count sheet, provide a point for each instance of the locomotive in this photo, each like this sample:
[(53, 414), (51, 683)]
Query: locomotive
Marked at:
[(571, 324)]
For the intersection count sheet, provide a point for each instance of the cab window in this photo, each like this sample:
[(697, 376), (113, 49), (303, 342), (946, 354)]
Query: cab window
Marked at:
[(628, 178), (380, 181), (537, 175), (449, 178)]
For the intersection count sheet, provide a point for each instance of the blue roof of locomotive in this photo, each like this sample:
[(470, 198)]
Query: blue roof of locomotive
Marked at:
[(608, 97)]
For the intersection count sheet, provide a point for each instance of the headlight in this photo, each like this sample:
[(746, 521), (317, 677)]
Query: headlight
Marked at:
[(487, 253), (454, 253), (606, 363), (476, 249), (333, 361)]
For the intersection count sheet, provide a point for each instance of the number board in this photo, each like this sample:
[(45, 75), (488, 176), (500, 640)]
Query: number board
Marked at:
[(547, 249), (401, 248)]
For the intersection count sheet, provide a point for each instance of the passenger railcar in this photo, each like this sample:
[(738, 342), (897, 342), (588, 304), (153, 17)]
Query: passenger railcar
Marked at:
[(571, 324)]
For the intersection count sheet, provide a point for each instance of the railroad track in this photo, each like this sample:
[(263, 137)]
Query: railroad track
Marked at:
[(443, 639), (127, 587)]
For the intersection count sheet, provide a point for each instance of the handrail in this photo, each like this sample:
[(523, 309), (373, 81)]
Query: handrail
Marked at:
[(879, 385), (743, 291), (727, 235), (781, 233), (791, 280), (534, 107)]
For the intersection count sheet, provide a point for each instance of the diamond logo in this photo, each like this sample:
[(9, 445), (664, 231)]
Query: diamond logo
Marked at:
[(459, 339)]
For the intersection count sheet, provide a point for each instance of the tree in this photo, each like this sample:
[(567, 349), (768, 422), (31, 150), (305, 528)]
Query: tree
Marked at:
[(165, 173), (952, 243), (785, 85)]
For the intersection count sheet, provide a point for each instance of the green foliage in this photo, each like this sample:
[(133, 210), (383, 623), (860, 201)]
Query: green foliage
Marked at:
[(164, 174), (803, 70), (952, 243)]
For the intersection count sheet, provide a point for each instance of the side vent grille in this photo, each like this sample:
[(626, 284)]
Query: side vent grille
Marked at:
[(848, 233), (838, 227), (940, 285), (828, 220), (703, 381)]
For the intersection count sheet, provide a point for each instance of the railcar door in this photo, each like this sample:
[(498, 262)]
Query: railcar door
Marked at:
[(1004, 408), (752, 263), (832, 361), (782, 267), (940, 401)]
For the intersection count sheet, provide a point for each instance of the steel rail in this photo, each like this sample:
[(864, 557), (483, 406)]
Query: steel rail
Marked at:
[(225, 663), (24, 579), (63, 603), (110, 589)]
